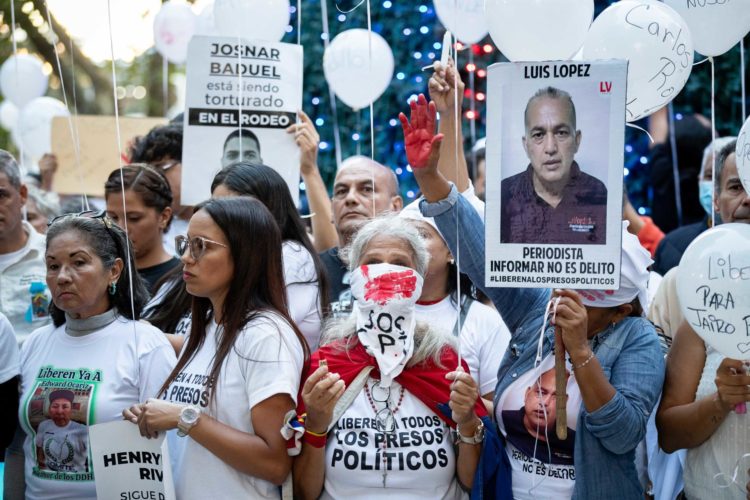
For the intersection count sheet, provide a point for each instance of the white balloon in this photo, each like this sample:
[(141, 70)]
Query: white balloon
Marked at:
[(538, 30), (8, 115), (742, 155), (174, 26), (657, 44), (716, 25), (356, 78), (464, 18), (252, 19), (35, 125), (713, 285), (206, 25), (22, 79)]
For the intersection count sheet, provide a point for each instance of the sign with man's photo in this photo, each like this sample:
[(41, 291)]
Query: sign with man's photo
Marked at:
[(555, 147), (241, 97)]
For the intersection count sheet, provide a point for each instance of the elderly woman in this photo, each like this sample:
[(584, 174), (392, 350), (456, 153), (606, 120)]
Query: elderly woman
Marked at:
[(384, 391), (94, 360), (615, 369)]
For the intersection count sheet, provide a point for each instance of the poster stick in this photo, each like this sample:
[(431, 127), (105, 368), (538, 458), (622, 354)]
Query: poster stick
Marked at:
[(561, 399)]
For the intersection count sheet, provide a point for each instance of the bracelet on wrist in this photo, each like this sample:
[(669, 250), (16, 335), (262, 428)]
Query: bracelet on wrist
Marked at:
[(588, 360), (315, 440)]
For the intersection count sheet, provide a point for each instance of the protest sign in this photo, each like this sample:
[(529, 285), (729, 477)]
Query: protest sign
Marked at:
[(97, 150), (128, 466), (555, 139), (241, 96)]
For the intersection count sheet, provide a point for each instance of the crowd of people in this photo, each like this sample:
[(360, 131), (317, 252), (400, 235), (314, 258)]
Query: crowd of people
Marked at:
[(356, 354)]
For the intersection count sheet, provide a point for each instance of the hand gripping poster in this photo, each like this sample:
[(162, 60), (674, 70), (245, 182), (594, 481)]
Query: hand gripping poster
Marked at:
[(555, 147), (241, 97)]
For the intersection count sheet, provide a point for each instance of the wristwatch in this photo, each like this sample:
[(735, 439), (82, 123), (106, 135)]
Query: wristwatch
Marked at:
[(477, 438), (189, 416)]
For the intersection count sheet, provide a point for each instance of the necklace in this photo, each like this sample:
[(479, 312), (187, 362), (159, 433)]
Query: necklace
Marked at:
[(385, 418)]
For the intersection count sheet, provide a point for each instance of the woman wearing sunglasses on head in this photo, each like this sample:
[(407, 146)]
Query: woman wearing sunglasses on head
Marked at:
[(94, 360), (239, 370), (147, 201)]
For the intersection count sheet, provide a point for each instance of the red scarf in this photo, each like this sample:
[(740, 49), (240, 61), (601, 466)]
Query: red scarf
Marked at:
[(425, 380)]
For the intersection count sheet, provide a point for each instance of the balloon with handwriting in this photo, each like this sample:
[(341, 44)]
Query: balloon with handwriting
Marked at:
[(22, 79), (35, 125), (716, 25), (358, 70), (713, 285), (174, 26), (657, 44), (742, 155), (538, 30), (252, 19), (464, 18)]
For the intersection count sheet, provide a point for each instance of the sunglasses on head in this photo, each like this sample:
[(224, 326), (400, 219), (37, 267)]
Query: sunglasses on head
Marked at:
[(196, 244), (86, 214)]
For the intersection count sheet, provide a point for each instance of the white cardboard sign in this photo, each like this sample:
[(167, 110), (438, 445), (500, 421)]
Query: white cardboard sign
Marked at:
[(241, 96)]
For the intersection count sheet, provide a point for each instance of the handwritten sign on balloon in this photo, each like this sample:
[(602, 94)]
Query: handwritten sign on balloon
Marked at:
[(716, 25), (742, 155), (657, 44), (713, 285)]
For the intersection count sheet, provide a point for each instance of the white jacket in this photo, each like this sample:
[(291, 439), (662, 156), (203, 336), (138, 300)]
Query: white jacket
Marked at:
[(15, 285)]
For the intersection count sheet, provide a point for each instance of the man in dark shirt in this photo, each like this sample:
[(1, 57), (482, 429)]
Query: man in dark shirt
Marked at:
[(552, 201), (355, 201)]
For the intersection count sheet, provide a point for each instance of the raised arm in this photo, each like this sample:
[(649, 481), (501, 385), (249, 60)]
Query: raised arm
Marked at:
[(452, 211), (307, 138), (447, 92)]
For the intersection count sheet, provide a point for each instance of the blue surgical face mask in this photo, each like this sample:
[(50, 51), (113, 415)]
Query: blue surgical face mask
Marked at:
[(706, 191)]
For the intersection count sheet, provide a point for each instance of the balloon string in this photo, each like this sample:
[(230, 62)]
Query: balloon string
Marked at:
[(675, 165), (331, 94), (724, 480), (129, 263), (701, 61), (742, 78), (84, 196), (15, 63), (353, 8), (165, 83), (299, 22), (456, 125), (239, 102), (713, 139), (372, 118), (73, 130), (631, 125), (472, 122)]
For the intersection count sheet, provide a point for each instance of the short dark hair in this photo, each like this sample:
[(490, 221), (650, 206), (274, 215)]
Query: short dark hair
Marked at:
[(242, 133), (148, 182), (551, 93), (9, 167), (160, 142), (109, 243), (721, 160)]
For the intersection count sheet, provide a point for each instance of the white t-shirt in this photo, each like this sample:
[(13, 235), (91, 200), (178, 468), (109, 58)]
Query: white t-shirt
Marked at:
[(521, 413), (419, 455), (302, 291), (183, 326), (9, 359), (65, 448), (484, 337), (266, 360), (106, 371)]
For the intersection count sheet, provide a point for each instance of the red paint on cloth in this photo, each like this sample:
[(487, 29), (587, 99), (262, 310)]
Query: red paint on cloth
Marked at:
[(386, 287)]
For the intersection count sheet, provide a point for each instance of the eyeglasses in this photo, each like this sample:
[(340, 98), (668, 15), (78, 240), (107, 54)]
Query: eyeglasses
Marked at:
[(197, 245), (86, 214)]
